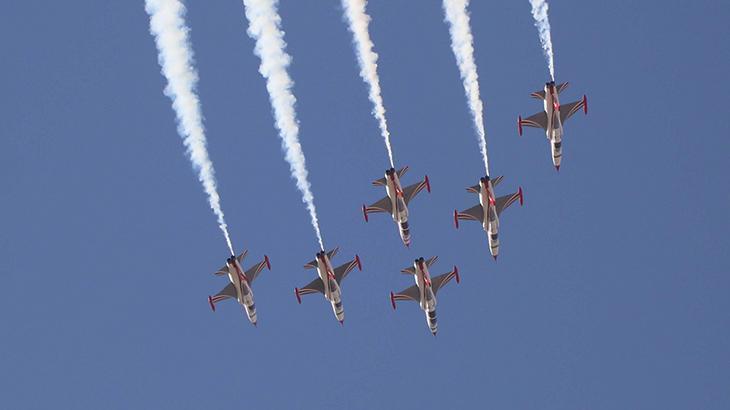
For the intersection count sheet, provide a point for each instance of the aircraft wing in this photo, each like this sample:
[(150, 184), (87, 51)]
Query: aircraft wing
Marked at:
[(538, 120), (540, 95), (567, 110), (412, 293), (474, 189), (313, 287), (253, 272), (503, 202), (402, 171), (561, 87), (342, 270), (411, 191), (313, 263), (475, 213), (440, 281), (228, 292), (383, 205)]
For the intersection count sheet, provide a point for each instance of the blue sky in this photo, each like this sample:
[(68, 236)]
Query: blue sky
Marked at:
[(611, 290)]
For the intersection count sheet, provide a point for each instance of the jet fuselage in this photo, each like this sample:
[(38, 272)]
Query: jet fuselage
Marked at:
[(554, 131), (331, 289), (244, 294), (428, 298), (394, 191), (491, 220)]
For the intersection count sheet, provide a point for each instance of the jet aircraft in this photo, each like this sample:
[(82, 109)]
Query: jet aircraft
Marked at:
[(553, 117), (425, 289), (239, 287), (488, 209), (397, 200), (328, 281)]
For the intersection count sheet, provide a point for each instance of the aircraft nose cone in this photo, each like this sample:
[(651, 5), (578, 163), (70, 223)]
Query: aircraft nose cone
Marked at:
[(342, 322), (495, 257), (557, 168)]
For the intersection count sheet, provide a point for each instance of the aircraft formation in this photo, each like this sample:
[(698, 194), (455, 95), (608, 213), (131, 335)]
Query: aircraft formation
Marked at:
[(486, 212), (328, 282)]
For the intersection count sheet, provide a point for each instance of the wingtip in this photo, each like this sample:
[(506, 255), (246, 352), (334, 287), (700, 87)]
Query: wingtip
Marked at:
[(268, 262), (359, 264), (299, 297), (365, 212), (456, 273), (210, 302), (456, 219), (428, 184), (585, 104), (392, 300), (519, 125), (522, 198)]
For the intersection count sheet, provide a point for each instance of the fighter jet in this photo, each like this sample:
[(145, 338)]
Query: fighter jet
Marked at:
[(553, 118), (240, 286), (397, 200), (329, 280), (493, 207), (425, 289)]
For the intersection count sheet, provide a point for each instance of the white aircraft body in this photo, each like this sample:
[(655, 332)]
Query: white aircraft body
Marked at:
[(239, 287), (553, 117), (328, 280), (488, 209), (425, 290), (397, 200)]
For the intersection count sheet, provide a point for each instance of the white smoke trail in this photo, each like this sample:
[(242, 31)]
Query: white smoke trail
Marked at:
[(462, 44), (167, 25), (263, 26), (358, 21), (540, 13)]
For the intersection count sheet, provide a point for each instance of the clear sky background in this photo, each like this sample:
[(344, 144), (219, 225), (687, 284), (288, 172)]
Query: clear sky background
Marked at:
[(611, 290)]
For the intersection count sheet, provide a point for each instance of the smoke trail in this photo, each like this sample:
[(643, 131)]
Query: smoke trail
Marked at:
[(540, 14), (167, 25), (463, 48), (368, 59), (263, 27)]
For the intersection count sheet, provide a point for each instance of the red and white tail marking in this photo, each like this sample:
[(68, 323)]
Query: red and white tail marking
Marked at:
[(359, 265), (365, 212), (522, 200), (585, 104), (268, 263), (456, 273), (428, 185)]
